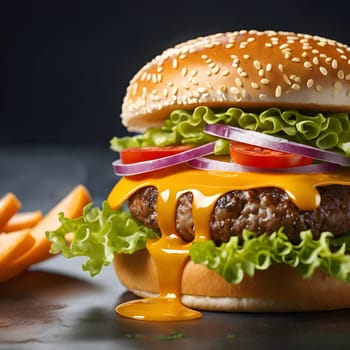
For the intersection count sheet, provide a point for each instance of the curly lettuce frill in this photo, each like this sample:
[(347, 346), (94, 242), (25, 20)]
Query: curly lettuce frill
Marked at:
[(329, 131), (99, 234), (234, 259)]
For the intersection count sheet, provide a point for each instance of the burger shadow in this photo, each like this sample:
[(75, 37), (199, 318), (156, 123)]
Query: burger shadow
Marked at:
[(225, 326)]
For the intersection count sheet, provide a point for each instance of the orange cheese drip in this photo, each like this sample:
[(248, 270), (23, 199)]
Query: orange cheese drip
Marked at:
[(169, 252)]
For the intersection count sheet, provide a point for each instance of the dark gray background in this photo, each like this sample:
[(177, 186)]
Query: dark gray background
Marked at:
[(65, 65)]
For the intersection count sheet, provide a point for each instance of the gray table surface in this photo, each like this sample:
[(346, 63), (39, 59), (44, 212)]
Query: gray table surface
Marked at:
[(55, 305)]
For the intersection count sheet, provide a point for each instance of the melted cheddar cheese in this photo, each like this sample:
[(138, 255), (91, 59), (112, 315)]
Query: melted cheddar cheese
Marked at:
[(169, 252)]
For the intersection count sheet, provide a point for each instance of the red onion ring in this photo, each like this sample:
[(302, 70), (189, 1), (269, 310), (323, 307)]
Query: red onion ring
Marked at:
[(217, 165), (275, 143), (161, 163)]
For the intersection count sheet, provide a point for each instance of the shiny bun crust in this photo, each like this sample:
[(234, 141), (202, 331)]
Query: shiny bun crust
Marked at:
[(278, 289), (247, 69)]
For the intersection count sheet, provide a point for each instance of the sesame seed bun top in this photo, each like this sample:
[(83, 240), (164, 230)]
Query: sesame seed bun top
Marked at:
[(247, 69)]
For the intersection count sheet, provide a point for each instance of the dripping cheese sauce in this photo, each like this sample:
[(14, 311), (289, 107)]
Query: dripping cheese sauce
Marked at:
[(170, 252)]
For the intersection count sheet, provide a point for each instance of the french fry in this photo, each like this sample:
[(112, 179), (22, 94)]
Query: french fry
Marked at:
[(72, 206), (9, 205), (14, 245), (20, 221)]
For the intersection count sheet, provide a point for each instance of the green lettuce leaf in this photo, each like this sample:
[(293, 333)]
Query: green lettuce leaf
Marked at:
[(99, 234), (329, 131), (234, 259)]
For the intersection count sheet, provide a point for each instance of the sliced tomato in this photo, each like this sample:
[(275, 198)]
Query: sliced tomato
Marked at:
[(246, 154), (135, 155)]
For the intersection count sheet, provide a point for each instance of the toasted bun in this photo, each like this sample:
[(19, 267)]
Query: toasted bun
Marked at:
[(248, 69), (278, 289)]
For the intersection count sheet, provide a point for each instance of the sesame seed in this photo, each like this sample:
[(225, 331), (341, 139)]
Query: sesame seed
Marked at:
[(341, 74), (194, 72), (225, 73), (202, 90), (229, 46), (204, 57), (222, 88), (216, 69), (347, 77), (310, 83), (156, 98), (257, 64), (261, 72), (295, 86), (323, 70), (254, 85), (280, 67), (318, 88), (196, 94), (210, 87), (278, 91), (268, 67), (246, 56), (175, 63), (184, 71), (134, 88), (307, 64), (143, 76), (238, 82), (265, 81), (315, 60), (209, 73), (296, 59), (286, 79), (243, 74)]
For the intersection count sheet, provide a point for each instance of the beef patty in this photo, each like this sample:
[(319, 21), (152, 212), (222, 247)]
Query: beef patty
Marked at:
[(262, 210)]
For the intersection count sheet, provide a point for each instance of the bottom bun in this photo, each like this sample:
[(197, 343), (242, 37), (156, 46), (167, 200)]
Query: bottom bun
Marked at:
[(278, 289)]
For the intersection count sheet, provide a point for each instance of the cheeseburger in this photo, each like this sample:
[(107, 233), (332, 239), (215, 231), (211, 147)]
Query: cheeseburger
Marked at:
[(235, 182)]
